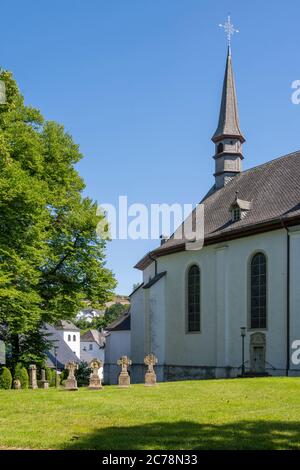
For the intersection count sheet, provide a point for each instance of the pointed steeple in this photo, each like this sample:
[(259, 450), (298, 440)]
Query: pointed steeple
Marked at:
[(228, 137), (228, 125)]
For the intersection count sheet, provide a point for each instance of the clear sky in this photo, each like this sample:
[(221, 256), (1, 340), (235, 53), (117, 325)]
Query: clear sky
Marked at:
[(138, 82)]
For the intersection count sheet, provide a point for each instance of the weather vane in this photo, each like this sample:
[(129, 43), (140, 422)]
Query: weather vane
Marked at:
[(229, 29)]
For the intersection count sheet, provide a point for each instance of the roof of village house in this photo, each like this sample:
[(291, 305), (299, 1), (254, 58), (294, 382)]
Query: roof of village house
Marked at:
[(274, 191), (120, 324), (66, 326), (93, 336)]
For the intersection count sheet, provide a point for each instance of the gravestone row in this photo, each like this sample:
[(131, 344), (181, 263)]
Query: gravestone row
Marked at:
[(124, 378)]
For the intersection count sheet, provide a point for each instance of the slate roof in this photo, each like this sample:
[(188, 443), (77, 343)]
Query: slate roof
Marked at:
[(66, 326), (120, 324), (93, 336), (274, 192), (64, 352), (228, 119)]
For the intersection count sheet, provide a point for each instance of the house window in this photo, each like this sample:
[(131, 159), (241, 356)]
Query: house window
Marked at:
[(258, 308), (74, 337), (193, 299), (236, 214), (69, 337), (90, 347)]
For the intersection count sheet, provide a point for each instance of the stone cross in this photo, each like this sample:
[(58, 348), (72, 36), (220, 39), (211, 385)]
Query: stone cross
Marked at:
[(124, 378), (44, 382), (32, 376), (95, 381), (150, 376), (71, 382)]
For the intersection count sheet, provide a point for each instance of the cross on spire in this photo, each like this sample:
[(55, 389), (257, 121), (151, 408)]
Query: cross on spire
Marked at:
[(229, 29)]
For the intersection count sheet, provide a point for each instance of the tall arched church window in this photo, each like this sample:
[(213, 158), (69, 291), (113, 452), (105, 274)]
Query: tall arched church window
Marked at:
[(193, 299), (258, 291)]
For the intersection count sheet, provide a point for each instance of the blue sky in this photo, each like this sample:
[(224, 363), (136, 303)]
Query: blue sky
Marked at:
[(138, 82)]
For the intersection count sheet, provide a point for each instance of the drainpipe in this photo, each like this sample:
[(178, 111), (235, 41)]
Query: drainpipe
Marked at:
[(288, 306), (155, 262), (288, 296)]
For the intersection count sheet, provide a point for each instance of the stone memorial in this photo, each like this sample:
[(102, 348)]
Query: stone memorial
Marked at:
[(150, 376), (32, 376), (124, 377), (17, 384), (95, 381), (44, 381), (71, 382)]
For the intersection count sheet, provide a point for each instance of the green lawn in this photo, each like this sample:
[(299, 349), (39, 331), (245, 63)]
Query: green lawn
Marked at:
[(259, 413)]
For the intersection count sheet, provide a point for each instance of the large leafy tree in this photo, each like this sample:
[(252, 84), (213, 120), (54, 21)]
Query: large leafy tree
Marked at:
[(51, 258)]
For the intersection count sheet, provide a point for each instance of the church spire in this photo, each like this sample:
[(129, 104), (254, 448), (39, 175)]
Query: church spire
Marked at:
[(228, 138), (228, 125)]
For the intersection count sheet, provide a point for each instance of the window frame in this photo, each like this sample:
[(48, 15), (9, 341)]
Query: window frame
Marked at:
[(187, 326), (252, 257)]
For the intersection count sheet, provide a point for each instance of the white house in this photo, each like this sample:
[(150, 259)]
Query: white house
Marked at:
[(118, 343), (70, 334), (191, 307), (92, 344)]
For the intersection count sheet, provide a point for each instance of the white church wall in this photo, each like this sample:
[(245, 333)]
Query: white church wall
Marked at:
[(155, 343), (149, 273), (118, 344), (137, 320), (224, 303), (294, 293)]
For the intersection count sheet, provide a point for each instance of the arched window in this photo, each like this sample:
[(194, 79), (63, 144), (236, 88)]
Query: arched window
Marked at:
[(74, 337), (69, 337), (258, 291), (193, 299)]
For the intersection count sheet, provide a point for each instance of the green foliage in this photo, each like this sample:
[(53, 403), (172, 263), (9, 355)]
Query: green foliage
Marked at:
[(5, 378), (22, 375), (50, 376), (63, 376), (82, 374), (51, 256)]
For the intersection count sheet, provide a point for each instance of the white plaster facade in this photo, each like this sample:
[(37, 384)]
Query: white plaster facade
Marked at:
[(72, 338), (93, 349), (118, 344), (159, 313)]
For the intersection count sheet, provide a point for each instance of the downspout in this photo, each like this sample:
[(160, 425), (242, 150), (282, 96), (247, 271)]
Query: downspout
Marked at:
[(288, 302), (155, 262), (288, 296)]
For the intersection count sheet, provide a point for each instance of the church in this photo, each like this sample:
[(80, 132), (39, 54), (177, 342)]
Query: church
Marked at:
[(233, 307)]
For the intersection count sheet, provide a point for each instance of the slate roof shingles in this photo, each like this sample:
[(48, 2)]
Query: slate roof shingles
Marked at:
[(273, 188)]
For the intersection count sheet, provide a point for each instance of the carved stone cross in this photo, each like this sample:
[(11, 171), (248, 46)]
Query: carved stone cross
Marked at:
[(124, 362), (95, 381), (150, 376), (124, 378), (71, 382)]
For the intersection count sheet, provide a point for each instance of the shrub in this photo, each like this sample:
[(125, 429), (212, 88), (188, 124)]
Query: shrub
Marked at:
[(50, 376), (82, 374), (5, 378), (22, 375)]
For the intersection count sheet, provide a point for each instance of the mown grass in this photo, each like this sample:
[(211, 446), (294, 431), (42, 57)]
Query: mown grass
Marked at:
[(259, 413)]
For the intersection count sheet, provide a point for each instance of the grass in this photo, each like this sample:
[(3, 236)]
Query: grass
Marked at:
[(257, 413)]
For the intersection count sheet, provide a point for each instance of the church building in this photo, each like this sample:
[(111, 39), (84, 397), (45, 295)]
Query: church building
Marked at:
[(232, 307)]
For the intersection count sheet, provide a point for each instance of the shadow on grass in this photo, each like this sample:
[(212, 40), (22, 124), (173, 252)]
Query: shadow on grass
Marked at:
[(193, 436)]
